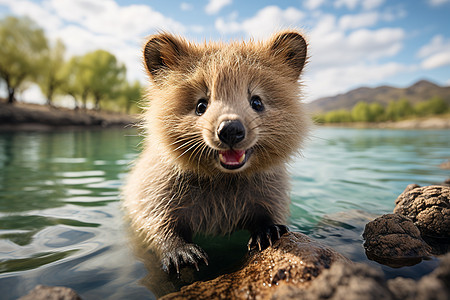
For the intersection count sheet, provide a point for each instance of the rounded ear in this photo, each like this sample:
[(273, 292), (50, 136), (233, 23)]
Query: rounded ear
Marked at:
[(162, 51), (291, 47)]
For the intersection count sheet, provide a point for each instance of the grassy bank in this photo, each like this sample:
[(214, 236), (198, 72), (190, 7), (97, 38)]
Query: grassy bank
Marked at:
[(435, 122)]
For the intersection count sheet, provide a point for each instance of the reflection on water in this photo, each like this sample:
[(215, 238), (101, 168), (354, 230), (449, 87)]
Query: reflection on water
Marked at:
[(60, 222)]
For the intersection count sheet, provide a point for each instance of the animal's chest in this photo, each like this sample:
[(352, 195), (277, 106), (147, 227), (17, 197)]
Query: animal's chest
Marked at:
[(216, 207)]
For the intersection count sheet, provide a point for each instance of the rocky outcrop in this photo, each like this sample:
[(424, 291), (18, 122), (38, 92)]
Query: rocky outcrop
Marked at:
[(361, 282), (435, 286), (42, 292), (293, 261), (419, 227), (428, 207), (394, 240)]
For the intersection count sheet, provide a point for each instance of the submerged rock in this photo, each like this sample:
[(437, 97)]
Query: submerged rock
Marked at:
[(428, 207), (394, 240), (42, 292), (294, 260)]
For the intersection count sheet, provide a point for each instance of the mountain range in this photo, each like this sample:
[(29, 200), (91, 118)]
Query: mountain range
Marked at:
[(420, 91)]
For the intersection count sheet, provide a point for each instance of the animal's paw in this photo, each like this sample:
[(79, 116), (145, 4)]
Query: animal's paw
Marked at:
[(182, 255), (265, 237)]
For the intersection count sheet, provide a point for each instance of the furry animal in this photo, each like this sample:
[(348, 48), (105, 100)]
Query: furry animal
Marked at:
[(222, 121)]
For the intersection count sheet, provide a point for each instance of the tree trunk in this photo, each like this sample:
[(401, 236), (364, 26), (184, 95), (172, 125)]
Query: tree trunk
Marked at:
[(50, 97), (97, 103), (75, 101), (84, 99), (11, 98)]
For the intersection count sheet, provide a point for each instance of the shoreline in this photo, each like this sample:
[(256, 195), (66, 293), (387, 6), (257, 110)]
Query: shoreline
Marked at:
[(35, 117), (422, 123)]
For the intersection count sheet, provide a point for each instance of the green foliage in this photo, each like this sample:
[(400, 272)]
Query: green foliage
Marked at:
[(361, 112), (23, 44), (51, 77), (71, 84), (434, 106), (131, 94), (375, 112), (25, 57), (398, 110), (101, 75), (338, 116)]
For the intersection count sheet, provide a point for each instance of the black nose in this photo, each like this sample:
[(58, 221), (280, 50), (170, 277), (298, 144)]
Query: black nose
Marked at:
[(231, 132)]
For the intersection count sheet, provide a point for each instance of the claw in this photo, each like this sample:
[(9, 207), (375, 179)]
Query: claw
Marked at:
[(249, 244), (278, 232), (266, 237), (269, 238), (186, 254), (258, 241)]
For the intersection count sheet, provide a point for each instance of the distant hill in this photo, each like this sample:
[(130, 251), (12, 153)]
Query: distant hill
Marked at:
[(420, 91)]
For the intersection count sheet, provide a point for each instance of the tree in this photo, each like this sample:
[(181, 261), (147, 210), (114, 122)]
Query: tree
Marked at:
[(400, 109), (52, 75), (71, 85), (22, 44), (131, 94), (338, 116), (361, 112), (434, 106), (101, 75), (377, 112)]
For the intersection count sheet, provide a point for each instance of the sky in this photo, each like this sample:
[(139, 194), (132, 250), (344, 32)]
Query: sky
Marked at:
[(352, 43)]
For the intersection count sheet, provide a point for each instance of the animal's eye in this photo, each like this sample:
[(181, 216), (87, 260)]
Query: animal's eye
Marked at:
[(202, 104), (256, 103)]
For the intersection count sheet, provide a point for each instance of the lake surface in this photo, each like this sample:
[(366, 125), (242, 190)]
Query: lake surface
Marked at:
[(61, 224)]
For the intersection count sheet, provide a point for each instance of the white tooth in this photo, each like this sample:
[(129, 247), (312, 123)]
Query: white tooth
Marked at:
[(221, 157), (241, 159)]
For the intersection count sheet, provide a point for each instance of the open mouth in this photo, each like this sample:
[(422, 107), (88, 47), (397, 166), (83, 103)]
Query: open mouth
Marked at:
[(233, 159)]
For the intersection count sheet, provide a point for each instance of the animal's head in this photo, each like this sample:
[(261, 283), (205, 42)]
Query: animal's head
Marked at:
[(230, 108)]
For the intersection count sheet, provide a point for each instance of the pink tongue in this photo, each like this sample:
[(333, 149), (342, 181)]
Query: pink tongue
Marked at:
[(231, 157)]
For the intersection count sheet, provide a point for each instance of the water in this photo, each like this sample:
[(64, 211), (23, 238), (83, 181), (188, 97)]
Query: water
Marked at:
[(60, 222)]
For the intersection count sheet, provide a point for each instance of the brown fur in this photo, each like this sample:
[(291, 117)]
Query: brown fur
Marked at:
[(177, 186)]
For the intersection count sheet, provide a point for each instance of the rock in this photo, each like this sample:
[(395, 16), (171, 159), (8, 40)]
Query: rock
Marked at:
[(360, 282), (294, 260), (394, 240), (342, 282), (435, 286), (428, 207), (42, 292)]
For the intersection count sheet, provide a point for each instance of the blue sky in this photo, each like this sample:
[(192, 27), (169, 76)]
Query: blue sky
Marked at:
[(353, 43)]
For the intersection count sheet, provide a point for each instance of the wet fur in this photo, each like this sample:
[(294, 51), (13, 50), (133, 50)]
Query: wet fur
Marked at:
[(177, 187)]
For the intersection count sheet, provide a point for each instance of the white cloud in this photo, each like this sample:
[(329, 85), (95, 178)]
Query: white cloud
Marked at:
[(359, 20), (313, 4), (350, 4), (353, 4), (38, 13), (435, 54), (437, 60), (371, 4), (437, 44), (107, 17), (335, 80), (264, 23), (186, 6), (214, 6), (330, 46), (438, 2)]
